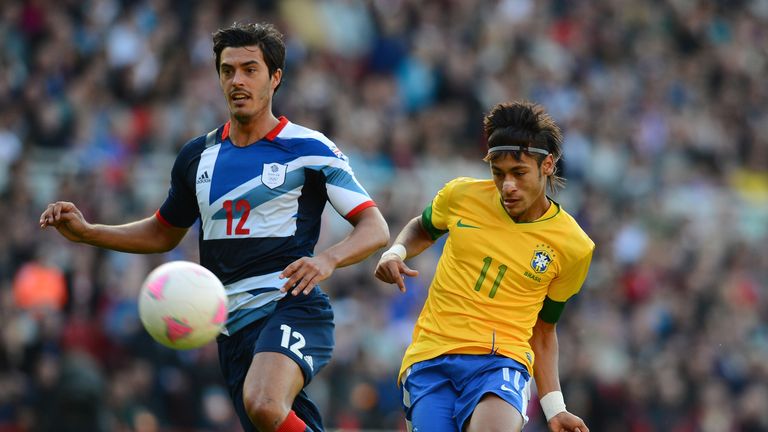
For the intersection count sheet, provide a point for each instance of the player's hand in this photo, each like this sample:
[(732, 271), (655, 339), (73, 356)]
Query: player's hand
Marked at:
[(567, 422), (392, 269), (304, 273), (66, 218)]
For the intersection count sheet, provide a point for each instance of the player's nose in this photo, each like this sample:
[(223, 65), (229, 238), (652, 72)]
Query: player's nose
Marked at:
[(237, 78), (509, 185)]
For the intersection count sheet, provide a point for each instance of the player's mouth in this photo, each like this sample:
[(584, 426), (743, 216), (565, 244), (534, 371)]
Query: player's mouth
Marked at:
[(239, 97), (510, 202)]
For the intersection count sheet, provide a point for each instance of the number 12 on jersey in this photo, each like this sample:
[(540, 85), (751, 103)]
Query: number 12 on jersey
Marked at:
[(486, 265), (243, 207)]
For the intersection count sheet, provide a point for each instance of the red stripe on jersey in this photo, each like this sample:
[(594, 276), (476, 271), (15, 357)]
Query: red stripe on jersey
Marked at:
[(225, 131), (360, 208), (162, 220), (276, 131)]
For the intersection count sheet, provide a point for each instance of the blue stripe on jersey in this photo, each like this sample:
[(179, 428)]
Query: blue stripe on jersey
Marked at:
[(261, 194), (245, 163), (339, 177)]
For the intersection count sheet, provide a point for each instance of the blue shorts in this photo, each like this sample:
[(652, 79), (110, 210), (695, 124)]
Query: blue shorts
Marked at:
[(441, 394), (301, 327)]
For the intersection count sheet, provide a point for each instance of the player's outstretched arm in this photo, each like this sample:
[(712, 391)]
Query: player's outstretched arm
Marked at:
[(412, 240), (145, 236), (369, 234), (545, 348)]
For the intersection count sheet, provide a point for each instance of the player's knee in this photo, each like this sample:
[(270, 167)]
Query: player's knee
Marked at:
[(265, 412)]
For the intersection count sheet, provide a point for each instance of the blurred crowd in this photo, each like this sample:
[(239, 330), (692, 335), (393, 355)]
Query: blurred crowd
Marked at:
[(664, 105)]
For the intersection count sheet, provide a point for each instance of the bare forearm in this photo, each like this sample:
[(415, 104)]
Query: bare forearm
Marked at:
[(369, 235), (545, 347), (414, 237), (144, 236)]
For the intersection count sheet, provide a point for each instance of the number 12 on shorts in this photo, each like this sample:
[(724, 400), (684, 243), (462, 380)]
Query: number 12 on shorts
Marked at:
[(288, 334)]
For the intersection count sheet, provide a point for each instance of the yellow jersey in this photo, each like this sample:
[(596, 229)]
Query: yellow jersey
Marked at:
[(494, 274)]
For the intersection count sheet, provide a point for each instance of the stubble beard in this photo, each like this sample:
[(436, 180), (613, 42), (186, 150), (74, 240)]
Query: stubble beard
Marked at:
[(252, 114), (242, 118)]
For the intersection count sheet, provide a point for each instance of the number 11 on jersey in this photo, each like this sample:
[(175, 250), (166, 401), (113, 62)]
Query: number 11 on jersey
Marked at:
[(486, 265)]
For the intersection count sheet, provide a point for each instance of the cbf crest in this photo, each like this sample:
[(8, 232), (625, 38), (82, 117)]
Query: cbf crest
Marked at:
[(543, 256), (273, 175)]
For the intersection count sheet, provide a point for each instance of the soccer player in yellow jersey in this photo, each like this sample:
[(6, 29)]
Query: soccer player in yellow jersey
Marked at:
[(512, 259)]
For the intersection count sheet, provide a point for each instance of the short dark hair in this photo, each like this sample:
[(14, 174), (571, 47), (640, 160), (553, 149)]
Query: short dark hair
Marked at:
[(263, 35), (524, 124)]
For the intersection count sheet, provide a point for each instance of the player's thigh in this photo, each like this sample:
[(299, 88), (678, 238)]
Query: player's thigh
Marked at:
[(433, 412), (272, 377), (495, 414), (494, 396), (429, 396)]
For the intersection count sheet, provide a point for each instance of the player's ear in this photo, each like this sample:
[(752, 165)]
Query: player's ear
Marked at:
[(548, 165), (277, 77)]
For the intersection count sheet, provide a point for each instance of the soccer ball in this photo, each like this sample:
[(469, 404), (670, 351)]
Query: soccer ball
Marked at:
[(182, 305)]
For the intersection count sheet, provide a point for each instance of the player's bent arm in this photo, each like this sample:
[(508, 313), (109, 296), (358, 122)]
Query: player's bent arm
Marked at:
[(144, 236), (369, 234), (545, 347), (414, 238)]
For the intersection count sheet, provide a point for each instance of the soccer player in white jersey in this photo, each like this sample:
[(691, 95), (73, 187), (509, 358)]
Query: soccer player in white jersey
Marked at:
[(258, 184)]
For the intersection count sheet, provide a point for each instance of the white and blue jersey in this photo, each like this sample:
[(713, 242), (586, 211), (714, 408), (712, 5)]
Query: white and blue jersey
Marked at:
[(259, 206)]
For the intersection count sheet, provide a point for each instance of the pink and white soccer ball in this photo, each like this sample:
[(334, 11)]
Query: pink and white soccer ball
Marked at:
[(182, 305)]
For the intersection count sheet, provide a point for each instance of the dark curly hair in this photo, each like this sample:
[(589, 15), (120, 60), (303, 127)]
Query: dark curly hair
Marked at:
[(524, 124), (263, 35)]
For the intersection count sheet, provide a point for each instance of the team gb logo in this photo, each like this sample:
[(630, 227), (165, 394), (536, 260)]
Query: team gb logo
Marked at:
[(542, 257), (273, 175)]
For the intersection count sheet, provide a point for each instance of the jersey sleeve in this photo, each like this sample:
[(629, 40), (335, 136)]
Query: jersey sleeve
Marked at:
[(345, 193), (564, 286), (434, 218), (180, 208)]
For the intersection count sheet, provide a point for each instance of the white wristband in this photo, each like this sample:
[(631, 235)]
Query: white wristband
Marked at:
[(398, 250), (552, 404)]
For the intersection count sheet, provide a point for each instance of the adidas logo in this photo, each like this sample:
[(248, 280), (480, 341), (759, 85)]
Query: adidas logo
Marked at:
[(204, 178)]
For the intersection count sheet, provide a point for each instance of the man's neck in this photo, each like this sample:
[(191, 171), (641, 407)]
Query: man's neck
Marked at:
[(246, 133)]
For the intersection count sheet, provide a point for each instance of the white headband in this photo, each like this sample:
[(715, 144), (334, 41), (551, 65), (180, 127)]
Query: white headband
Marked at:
[(517, 148)]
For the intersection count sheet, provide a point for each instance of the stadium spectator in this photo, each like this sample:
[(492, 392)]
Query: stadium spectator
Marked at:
[(663, 105)]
